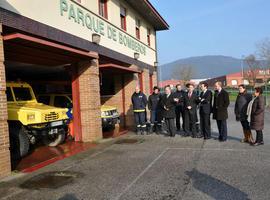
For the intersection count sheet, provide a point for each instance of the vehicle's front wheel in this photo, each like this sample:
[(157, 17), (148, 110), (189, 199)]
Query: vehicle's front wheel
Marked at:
[(19, 142), (56, 139)]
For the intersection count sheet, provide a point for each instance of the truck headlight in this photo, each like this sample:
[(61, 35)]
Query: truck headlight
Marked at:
[(30, 117), (103, 114), (116, 113)]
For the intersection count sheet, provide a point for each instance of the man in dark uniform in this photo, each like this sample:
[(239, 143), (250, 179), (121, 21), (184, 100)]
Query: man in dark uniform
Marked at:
[(154, 107), (139, 102), (220, 110), (179, 109), (190, 109), (205, 100), (168, 103)]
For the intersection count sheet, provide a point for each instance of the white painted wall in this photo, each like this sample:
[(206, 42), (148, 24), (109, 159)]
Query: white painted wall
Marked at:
[(48, 12)]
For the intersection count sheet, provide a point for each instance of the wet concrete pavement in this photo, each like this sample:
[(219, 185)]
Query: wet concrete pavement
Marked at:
[(155, 167)]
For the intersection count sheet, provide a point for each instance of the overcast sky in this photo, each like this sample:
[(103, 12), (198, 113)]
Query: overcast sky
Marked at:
[(211, 27)]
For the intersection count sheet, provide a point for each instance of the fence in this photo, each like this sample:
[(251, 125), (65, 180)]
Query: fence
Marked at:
[(234, 92)]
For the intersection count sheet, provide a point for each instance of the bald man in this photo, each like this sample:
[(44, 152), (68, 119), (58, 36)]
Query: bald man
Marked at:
[(139, 102)]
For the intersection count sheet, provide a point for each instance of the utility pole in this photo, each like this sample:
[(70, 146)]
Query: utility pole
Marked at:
[(265, 85), (242, 68)]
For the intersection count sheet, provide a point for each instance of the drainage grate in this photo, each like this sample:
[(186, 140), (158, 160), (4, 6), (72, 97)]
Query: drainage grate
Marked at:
[(129, 141), (50, 180)]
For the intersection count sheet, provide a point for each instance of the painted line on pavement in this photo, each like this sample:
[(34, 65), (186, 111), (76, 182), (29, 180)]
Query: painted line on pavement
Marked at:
[(87, 158), (141, 174), (218, 149)]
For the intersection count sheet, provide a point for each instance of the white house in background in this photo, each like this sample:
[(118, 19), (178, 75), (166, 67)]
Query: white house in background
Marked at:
[(197, 81)]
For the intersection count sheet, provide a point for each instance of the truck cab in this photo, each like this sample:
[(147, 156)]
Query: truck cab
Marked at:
[(31, 122)]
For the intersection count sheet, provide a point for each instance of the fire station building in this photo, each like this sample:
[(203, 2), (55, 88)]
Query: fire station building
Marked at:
[(100, 49)]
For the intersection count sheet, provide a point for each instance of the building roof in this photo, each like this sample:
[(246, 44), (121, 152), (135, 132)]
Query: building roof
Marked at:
[(147, 10), (237, 74)]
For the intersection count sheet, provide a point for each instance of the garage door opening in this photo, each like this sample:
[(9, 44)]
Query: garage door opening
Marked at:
[(36, 68), (116, 83)]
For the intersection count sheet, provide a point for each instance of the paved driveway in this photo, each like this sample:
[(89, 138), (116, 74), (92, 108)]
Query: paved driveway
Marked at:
[(155, 167)]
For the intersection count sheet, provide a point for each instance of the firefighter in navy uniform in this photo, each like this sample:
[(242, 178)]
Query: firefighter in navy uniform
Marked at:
[(139, 101), (154, 107)]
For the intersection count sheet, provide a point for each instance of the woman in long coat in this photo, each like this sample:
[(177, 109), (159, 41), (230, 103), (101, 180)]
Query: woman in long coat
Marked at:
[(240, 110), (255, 112)]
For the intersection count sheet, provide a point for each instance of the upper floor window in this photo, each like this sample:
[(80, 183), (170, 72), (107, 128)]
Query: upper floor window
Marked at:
[(148, 37), (103, 11), (123, 15), (138, 25)]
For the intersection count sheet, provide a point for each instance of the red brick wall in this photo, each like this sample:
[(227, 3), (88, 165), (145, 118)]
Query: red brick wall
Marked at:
[(230, 79), (155, 80), (90, 101), (5, 167), (131, 80), (146, 81)]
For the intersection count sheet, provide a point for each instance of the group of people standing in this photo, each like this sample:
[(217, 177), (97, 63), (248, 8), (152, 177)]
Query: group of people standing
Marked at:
[(168, 108)]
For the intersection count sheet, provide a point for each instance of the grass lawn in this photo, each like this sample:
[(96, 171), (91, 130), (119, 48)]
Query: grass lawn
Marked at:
[(233, 96)]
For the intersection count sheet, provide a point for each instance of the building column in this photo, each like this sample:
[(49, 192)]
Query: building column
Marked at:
[(5, 163), (89, 89), (146, 88), (154, 77), (130, 82)]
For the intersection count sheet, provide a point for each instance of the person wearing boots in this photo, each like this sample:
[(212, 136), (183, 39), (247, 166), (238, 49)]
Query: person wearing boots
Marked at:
[(168, 103), (255, 112), (240, 110), (139, 102), (179, 109), (191, 100), (153, 106)]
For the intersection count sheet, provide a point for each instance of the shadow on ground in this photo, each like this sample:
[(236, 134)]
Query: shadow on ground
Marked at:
[(215, 135), (213, 187), (69, 197)]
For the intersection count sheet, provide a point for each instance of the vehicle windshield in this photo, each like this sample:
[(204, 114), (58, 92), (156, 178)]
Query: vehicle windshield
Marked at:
[(22, 94)]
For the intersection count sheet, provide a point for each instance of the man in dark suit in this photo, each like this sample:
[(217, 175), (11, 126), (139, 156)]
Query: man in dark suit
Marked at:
[(205, 100), (190, 109), (168, 103), (179, 111), (220, 110)]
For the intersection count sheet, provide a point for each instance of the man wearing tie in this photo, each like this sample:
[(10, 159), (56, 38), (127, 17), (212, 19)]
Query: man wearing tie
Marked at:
[(220, 110), (205, 100), (190, 107), (179, 111), (168, 103)]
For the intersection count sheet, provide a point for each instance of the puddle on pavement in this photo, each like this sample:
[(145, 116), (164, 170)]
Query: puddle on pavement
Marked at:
[(50, 180), (129, 141)]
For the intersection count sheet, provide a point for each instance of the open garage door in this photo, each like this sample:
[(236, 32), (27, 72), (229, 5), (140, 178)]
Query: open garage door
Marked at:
[(117, 85), (47, 68)]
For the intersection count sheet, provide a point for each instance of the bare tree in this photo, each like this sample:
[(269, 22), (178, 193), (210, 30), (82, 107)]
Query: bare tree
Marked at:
[(184, 73), (252, 72), (263, 48)]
